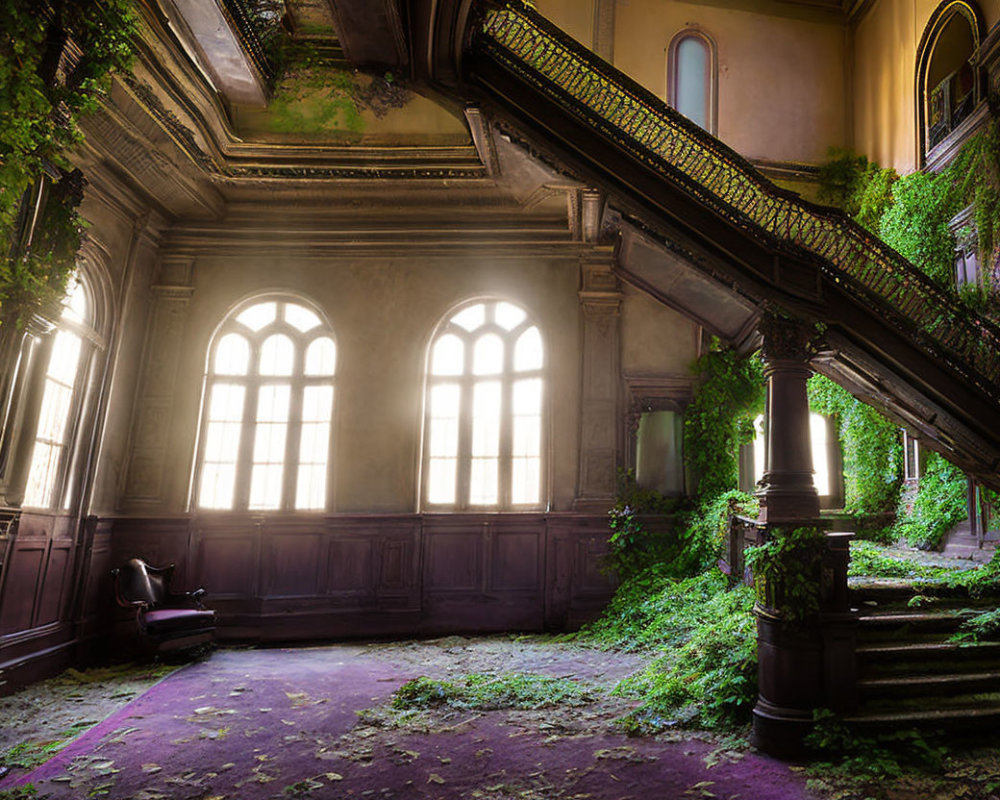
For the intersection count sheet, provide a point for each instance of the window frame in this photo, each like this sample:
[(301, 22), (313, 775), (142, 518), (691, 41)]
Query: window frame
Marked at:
[(467, 381), (711, 78), (252, 382), (86, 331), (938, 22)]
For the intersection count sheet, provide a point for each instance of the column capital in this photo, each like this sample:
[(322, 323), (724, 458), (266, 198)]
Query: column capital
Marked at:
[(785, 339)]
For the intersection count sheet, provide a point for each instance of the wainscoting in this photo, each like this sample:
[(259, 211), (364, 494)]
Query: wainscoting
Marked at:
[(296, 578)]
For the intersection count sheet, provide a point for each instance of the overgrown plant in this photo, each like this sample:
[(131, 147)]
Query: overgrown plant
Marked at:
[(729, 396), (787, 571), (633, 545), (938, 505), (706, 673), (42, 97), (871, 449)]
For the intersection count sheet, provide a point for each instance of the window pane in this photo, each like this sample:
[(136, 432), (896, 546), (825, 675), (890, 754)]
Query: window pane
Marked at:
[(487, 357), (54, 413), (217, 484), (820, 454), (300, 318), (317, 403), (256, 317), (692, 78), (448, 356), (483, 482), (528, 351), (269, 446), (65, 358), (441, 480), (444, 415), (310, 488), (442, 445), (265, 487), (226, 403), (508, 316), (483, 475), (277, 356), (232, 356), (526, 441), (222, 446), (321, 357), (470, 318), (42, 475), (525, 480), (315, 443), (76, 308)]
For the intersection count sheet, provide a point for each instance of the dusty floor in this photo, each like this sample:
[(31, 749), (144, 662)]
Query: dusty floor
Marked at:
[(37, 722)]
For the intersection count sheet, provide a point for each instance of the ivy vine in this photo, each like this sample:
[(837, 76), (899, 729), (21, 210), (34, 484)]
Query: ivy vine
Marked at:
[(43, 93), (871, 449)]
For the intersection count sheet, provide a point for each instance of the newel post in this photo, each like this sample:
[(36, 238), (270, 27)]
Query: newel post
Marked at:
[(805, 644)]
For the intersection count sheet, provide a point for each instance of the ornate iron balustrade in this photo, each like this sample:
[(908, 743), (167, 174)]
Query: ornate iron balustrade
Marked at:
[(241, 16), (664, 140)]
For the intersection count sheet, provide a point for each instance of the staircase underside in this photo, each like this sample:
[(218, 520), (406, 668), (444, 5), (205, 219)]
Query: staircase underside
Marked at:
[(894, 340)]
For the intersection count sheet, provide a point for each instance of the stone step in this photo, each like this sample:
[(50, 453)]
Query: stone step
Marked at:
[(928, 686), (908, 656), (979, 717)]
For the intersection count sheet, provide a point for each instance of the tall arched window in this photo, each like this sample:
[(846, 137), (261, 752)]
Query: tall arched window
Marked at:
[(66, 354), (948, 88), (267, 410), (484, 410), (691, 77)]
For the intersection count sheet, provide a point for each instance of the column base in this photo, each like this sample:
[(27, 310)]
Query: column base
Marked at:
[(780, 731)]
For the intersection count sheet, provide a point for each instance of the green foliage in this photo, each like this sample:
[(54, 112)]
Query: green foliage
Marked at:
[(633, 545), (861, 759), (707, 674), (39, 113), (871, 447), (916, 224), (939, 504), (720, 417), (787, 571), (858, 186), (490, 692), (19, 792), (870, 560), (982, 627), (912, 213)]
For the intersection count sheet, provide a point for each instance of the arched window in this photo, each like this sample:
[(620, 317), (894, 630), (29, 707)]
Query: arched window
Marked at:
[(484, 410), (691, 77), (947, 84), (66, 354), (267, 410)]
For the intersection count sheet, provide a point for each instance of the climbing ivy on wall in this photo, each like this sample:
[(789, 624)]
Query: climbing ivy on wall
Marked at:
[(938, 505), (42, 97), (729, 396), (871, 448), (911, 213)]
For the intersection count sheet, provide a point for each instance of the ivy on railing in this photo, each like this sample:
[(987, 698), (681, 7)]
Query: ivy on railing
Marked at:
[(662, 139)]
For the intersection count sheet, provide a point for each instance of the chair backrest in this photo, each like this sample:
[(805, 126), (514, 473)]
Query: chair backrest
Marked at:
[(137, 582)]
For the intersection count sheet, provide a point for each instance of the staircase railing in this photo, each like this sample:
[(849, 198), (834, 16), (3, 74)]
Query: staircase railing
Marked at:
[(621, 110)]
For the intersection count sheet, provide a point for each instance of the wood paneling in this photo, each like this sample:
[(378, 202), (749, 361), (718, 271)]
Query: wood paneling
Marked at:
[(294, 577)]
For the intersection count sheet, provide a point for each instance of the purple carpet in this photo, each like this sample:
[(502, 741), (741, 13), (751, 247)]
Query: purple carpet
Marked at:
[(249, 724)]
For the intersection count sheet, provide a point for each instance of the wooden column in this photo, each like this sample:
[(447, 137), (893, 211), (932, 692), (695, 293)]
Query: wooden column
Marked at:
[(147, 478), (600, 305), (788, 493)]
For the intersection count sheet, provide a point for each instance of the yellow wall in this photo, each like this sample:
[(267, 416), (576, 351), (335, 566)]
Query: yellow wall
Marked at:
[(885, 45), (781, 87)]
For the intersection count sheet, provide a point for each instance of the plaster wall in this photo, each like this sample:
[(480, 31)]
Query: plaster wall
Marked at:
[(383, 312), (655, 339), (884, 46), (123, 239), (781, 92)]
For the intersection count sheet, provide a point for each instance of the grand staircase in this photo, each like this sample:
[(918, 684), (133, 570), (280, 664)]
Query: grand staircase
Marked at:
[(912, 673)]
